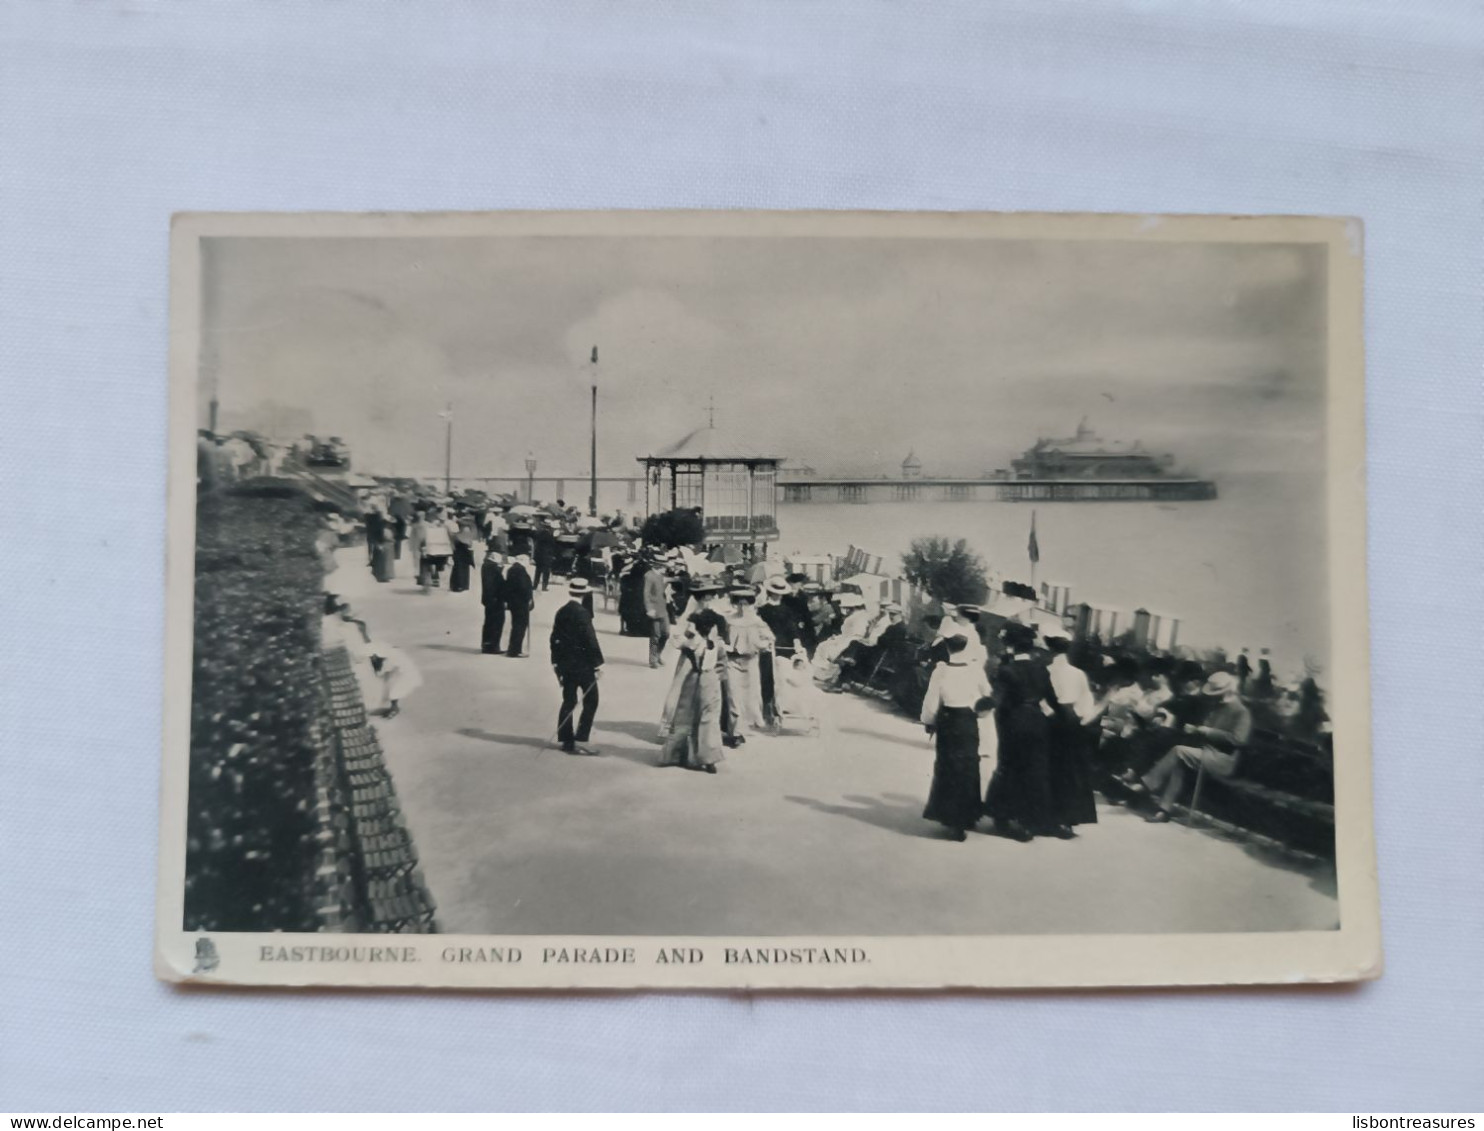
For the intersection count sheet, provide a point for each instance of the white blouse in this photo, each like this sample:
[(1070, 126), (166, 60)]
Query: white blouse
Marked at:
[(954, 685)]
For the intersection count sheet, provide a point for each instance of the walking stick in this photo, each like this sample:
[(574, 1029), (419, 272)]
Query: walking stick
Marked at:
[(564, 720)]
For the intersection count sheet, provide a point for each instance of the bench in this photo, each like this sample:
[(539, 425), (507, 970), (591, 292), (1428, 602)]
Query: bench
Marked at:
[(1282, 796)]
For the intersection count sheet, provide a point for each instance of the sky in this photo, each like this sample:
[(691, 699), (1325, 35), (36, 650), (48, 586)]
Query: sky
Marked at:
[(843, 354)]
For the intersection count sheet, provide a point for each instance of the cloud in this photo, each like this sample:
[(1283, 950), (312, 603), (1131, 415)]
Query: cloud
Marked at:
[(842, 353)]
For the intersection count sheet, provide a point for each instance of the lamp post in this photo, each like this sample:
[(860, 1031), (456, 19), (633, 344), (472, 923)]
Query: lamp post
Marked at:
[(592, 495), (530, 479), (447, 415)]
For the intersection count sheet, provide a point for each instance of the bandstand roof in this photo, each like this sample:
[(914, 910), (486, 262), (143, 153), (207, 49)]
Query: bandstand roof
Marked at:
[(712, 444)]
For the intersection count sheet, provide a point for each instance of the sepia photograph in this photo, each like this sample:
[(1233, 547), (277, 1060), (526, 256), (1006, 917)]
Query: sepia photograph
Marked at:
[(750, 600)]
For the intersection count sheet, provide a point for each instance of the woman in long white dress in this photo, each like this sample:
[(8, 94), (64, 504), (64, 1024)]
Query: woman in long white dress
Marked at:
[(857, 620), (750, 643), (692, 728)]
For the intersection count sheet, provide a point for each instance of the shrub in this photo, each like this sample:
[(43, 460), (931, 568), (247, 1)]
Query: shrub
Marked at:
[(949, 571), (256, 714), (681, 527)]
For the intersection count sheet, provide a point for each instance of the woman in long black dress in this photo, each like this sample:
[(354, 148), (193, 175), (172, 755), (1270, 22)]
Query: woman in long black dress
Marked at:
[(1074, 734), (1021, 798), (463, 557), (950, 711), (632, 619)]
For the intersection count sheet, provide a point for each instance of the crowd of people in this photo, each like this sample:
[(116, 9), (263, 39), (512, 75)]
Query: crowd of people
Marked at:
[(753, 649)]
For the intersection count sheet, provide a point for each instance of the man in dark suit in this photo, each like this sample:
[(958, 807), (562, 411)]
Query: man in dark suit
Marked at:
[(797, 603), (577, 660), (545, 553), (787, 627), (520, 598), (492, 595)]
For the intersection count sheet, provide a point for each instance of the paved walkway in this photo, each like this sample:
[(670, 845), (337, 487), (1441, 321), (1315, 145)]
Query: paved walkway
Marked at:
[(793, 836)]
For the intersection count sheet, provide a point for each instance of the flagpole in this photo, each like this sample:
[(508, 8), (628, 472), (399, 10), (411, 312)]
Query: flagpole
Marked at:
[(1034, 551)]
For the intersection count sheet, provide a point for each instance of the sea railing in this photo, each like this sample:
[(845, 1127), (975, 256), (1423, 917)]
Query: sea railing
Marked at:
[(865, 571)]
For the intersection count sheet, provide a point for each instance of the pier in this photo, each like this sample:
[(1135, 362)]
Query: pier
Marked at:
[(884, 490)]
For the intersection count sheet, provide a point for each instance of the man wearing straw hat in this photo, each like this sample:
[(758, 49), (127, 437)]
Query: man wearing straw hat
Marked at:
[(784, 623), (656, 607), (577, 659), (1222, 734)]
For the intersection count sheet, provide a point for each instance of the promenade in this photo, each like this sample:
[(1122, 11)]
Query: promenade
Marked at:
[(793, 836)]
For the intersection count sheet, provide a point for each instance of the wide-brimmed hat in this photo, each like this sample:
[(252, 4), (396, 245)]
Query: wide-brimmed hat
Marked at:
[(578, 587), (1055, 632), (742, 593), (704, 587), (891, 607), (1188, 671), (1221, 683), (850, 600), (778, 587), (1017, 636)]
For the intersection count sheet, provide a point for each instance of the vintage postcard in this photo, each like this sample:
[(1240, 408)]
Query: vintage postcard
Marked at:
[(766, 601)]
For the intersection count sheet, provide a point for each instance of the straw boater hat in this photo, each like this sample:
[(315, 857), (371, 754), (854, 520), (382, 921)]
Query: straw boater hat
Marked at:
[(1221, 683), (850, 601), (778, 587), (578, 587)]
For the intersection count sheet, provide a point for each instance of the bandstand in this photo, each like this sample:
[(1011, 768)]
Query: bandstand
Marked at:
[(734, 484)]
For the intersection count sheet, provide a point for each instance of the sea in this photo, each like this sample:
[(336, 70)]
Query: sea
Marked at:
[(1245, 570)]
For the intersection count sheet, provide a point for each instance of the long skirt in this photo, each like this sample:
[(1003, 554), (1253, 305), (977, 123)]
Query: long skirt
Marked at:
[(1020, 790), (696, 726), (745, 694), (683, 666), (383, 564), (463, 563), (954, 797), (1070, 769), (633, 620)]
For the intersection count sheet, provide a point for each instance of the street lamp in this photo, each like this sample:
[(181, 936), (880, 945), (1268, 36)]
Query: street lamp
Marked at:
[(530, 479)]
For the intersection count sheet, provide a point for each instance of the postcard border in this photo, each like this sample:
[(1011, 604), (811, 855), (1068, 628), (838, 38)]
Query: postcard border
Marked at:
[(1350, 953)]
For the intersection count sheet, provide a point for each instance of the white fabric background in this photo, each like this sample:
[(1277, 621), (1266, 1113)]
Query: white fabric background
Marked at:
[(115, 114)]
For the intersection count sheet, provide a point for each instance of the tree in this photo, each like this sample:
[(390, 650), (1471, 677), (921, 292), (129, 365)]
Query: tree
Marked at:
[(681, 527), (949, 571)]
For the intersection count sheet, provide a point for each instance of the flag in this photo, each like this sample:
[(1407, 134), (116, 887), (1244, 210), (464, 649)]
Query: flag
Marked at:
[(1034, 547)]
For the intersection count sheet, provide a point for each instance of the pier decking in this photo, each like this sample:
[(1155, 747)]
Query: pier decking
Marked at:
[(1000, 490)]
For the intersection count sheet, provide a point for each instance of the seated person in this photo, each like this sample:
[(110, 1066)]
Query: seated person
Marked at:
[(1162, 714), (1213, 745)]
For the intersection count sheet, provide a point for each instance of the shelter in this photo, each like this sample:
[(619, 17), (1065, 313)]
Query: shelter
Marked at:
[(734, 485)]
